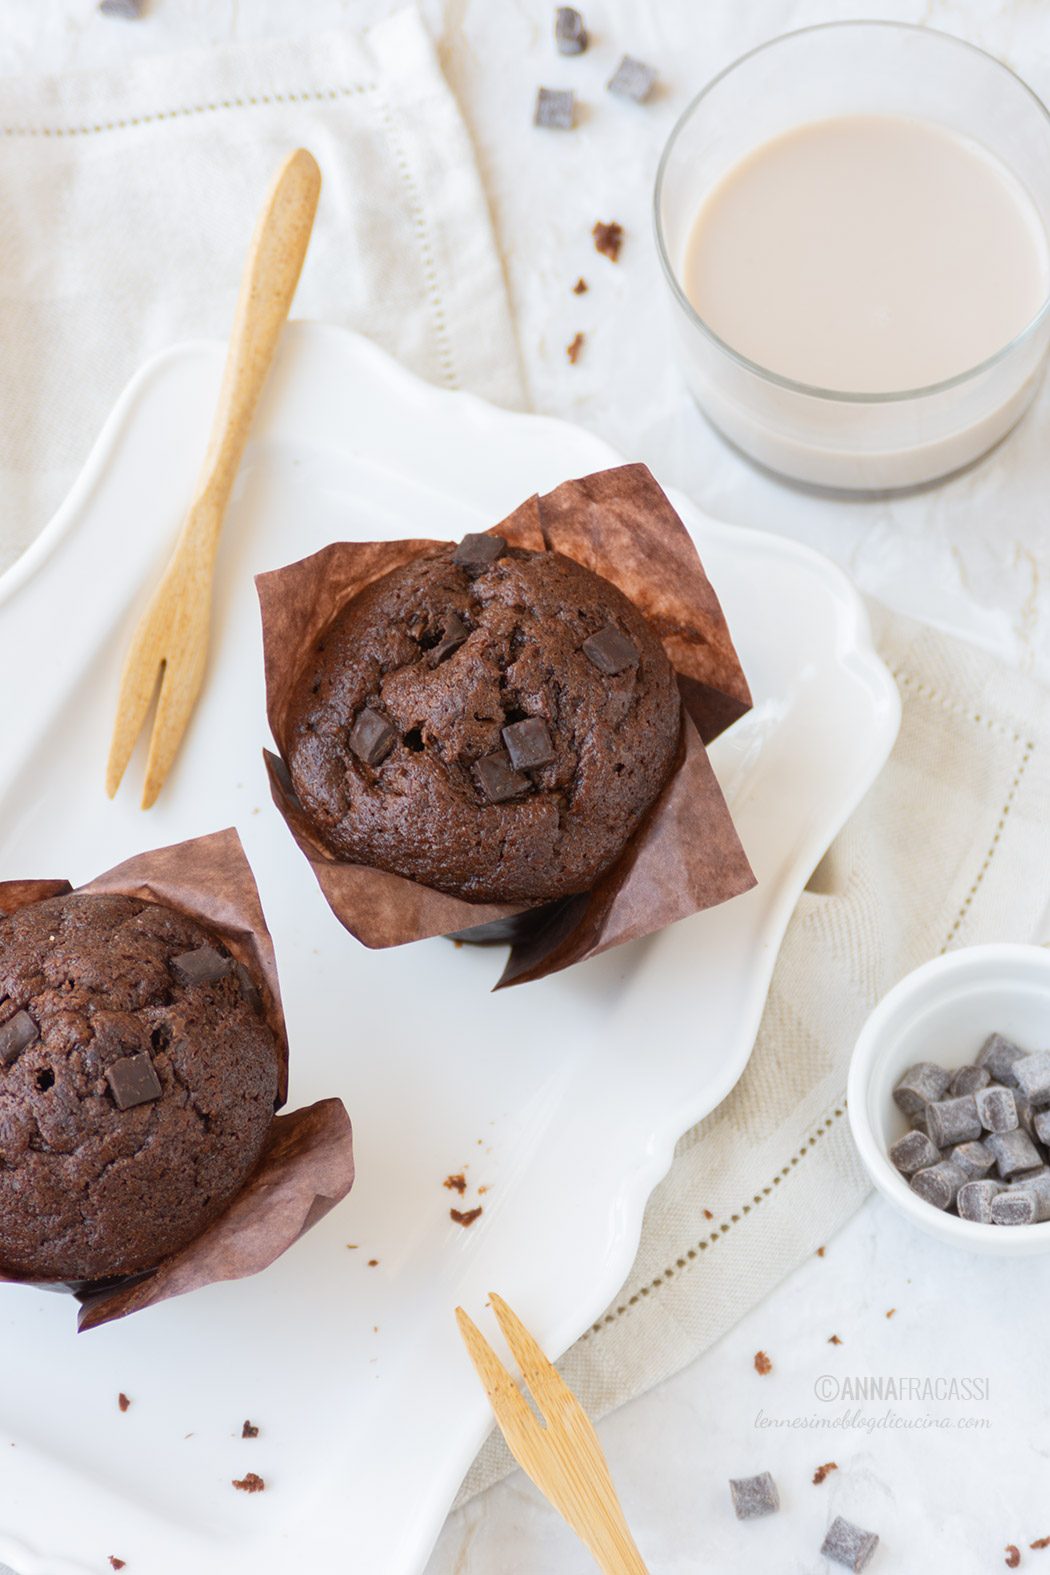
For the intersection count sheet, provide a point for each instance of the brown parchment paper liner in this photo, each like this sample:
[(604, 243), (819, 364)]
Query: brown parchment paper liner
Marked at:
[(307, 1164), (684, 857)]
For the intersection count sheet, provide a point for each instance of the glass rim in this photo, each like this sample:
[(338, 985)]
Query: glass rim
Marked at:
[(814, 390)]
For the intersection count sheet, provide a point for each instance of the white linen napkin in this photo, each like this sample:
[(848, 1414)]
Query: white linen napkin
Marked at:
[(129, 199)]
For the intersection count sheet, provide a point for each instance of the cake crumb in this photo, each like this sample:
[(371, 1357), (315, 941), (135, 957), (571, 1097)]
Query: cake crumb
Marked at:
[(891, 1312), (821, 1473), (833, 1339), (1040, 1542), (115, 1563), (249, 1430), (580, 287), (456, 1183), (465, 1216), (122, 1401), (572, 350), (373, 1263), (252, 1483), (1013, 1556), (608, 239), (352, 1246), (821, 1251), (762, 1363)]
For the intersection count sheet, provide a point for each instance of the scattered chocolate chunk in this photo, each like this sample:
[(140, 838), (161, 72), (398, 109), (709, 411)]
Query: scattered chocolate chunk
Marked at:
[(573, 348), (130, 10), (914, 1151), (249, 988), (252, 1483), (555, 109), (849, 1545), (465, 1216), (1013, 1556), (968, 1080), (610, 651), (202, 966), (133, 1081), (249, 1430), (371, 737), (921, 1085), (115, 1563), (608, 239), (754, 1496), (478, 549), (1013, 1207), (974, 1200), (122, 1401), (632, 79), (580, 287), (822, 1472), (498, 778), (529, 744), (762, 1363), (453, 635), (939, 1184), (1000, 1055), (570, 35), (950, 1121), (16, 1035), (456, 1183)]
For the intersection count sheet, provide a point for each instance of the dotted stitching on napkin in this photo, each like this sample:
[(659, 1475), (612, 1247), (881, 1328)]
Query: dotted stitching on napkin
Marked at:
[(955, 709), (311, 96), (691, 1254), (426, 249), (993, 849)]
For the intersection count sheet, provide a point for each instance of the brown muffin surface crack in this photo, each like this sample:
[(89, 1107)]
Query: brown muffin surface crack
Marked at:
[(396, 740), (138, 1076)]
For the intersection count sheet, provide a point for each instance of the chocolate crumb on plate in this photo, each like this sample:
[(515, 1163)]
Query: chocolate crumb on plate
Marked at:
[(608, 239), (632, 79), (456, 1183), (570, 35), (130, 10), (252, 1483), (1013, 1556), (573, 348), (850, 1545), (833, 1339), (821, 1251), (762, 1363), (891, 1312), (580, 287), (373, 1263), (754, 1496), (249, 1430), (1040, 1542), (115, 1563), (555, 109), (465, 1216), (122, 1401), (822, 1473)]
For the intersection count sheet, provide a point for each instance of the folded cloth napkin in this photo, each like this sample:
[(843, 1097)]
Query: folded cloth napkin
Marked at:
[(129, 201), (946, 850)]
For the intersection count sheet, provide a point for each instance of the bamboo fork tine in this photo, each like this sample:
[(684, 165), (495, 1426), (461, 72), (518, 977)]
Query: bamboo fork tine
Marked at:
[(170, 645), (562, 1454)]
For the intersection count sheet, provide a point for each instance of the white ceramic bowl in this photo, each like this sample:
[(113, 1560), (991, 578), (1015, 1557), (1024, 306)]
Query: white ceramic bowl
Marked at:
[(943, 1012)]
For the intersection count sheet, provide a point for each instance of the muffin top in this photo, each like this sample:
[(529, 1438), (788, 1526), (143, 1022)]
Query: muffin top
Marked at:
[(137, 1083), (486, 720)]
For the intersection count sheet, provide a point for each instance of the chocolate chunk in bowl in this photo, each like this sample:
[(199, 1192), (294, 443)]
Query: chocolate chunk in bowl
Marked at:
[(158, 1164), (672, 849)]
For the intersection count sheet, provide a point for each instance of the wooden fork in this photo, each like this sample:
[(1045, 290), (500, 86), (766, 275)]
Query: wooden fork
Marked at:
[(170, 645), (561, 1454)]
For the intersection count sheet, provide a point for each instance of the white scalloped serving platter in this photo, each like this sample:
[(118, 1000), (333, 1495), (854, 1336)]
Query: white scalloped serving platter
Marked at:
[(563, 1099)]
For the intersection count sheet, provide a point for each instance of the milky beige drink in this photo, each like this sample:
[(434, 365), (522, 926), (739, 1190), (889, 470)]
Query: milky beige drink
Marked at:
[(867, 253)]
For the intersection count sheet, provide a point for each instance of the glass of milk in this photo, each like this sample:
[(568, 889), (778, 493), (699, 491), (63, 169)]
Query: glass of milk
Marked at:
[(854, 223)]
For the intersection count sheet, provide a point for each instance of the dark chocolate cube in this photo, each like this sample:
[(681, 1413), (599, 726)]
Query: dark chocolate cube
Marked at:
[(202, 966), (478, 549), (555, 109), (16, 1035), (498, 778), (570, 35), (133, 1081), (529, 744), (632, 79), (371, 737), (454, 633), (610, 651), (249, 988)]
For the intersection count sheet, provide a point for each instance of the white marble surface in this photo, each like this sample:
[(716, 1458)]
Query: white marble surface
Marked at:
[(971, 554)]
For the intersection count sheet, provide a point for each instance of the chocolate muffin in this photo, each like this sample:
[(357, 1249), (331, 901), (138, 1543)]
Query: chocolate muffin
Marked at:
[(489, 721), (138, 1076)]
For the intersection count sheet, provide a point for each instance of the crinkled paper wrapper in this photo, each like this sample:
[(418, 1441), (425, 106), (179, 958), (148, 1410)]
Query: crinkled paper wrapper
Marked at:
[(684, 857), (307, 1164)]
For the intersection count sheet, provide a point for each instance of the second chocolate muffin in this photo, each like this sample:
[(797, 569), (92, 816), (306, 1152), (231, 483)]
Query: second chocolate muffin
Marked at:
[(138, 1075), (489, 721)]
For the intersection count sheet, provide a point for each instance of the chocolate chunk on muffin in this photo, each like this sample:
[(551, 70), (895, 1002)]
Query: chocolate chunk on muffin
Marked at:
[(137, 1086), (486, 720)]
